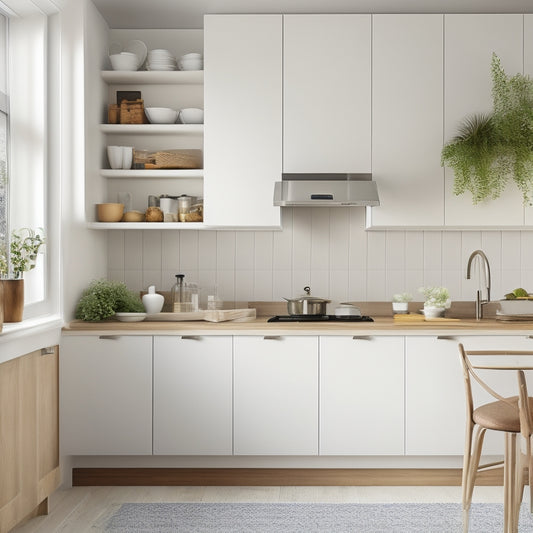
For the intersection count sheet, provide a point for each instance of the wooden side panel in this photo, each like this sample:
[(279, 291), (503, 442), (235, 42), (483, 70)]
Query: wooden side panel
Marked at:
[(48, 422)]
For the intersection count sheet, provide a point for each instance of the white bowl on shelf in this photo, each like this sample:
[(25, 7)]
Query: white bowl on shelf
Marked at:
[(124, 61), (161, 115), (191, 64), (191, 115)]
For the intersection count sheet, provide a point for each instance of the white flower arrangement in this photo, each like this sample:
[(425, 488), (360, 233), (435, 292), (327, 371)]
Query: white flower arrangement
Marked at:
[(436, 297), (402, 297)]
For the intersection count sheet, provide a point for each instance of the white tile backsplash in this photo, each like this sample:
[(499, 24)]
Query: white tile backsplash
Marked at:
[(327, 249), (244, 250)]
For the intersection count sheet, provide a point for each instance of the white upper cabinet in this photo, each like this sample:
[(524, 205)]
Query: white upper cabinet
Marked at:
[(243, 114), (407, 120), (470, 41), (326, 93)]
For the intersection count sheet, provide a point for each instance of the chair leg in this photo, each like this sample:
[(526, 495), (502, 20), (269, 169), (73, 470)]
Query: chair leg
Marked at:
[(529, 459), (510, 484), (471, 464)]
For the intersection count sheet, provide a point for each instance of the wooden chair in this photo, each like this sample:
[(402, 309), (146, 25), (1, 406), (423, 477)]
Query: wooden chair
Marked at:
[(510, 415)]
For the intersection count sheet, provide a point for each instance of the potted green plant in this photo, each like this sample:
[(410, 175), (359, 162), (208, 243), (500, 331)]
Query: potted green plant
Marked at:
[(104, 298), (19, 257), (437, 300), (400, 302), (492, 148)]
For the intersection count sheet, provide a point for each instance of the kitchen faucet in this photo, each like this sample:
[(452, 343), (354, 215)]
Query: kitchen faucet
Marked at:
[(479, 301)]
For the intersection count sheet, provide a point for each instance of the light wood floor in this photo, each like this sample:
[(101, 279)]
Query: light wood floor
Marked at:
[(86, 509)]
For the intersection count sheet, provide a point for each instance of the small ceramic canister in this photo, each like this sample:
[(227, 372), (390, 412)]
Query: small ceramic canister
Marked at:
[(127, 157)]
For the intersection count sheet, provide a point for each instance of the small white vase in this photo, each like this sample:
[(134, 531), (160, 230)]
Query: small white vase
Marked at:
[(153, 302), (400, 308)]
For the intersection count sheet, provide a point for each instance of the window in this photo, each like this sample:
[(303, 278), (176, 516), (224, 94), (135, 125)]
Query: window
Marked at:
[(4, 185)]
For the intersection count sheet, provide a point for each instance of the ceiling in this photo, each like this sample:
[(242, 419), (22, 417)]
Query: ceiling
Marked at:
[(186, 14), (23, 8)]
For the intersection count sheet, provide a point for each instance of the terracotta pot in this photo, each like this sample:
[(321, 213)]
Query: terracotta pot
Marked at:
[(13, 299)]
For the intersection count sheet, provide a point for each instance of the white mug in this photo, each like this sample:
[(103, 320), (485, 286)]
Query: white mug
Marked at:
[(114, 154), (127, 156)]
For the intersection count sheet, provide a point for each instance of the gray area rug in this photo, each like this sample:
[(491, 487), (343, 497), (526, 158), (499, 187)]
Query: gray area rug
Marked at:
[(308, 518)]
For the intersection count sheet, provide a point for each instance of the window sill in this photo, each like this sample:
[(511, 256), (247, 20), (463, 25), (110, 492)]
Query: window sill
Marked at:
[(20, 338)]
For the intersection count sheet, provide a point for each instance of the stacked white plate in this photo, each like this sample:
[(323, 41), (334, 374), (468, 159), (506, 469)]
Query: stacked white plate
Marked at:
[(161, 60)]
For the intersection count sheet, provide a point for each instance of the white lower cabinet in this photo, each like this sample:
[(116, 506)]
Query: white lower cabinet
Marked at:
[(435, 396), (192, 395), (106, 395), (361, 395), (275, 395)]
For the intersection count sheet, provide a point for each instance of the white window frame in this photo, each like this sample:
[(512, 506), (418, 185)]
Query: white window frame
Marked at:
[(33, 88)]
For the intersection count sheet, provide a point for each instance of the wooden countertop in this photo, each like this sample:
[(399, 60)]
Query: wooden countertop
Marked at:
[(260, 326)]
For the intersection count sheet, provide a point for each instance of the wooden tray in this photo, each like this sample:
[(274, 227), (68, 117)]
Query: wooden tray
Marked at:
[(417, 319), (221, 315)]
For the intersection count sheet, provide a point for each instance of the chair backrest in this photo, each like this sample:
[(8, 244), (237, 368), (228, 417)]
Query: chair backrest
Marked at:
[(470, 371), (524, 405)]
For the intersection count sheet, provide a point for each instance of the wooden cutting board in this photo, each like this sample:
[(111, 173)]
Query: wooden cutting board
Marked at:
[(219, 315), (415, 318)]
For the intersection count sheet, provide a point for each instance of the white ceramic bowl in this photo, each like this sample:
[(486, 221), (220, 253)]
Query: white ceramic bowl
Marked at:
[(161, 115), (192, 55), (191, 115), (191, 64), (124, 61), (130, 317), (516, 307)]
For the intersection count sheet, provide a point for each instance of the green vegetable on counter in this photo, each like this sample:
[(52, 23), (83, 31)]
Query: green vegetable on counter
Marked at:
[(517, 293)]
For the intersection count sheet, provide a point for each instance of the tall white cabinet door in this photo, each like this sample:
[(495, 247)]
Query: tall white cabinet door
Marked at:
[(193, 395), (276, 395), (470, 41), (106, 395), (407, 120), (528, 69), (361, 396), (243, 116), (435, 395), (326, 95)]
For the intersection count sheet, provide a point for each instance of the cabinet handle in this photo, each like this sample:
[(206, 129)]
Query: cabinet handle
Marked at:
[(109, 337), (190, 337), (362, 338), (49, 350), (446, 338), (272, 338)]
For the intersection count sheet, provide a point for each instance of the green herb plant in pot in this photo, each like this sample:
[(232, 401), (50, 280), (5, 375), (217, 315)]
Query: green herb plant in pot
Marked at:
[(19, 257), (437, 300), (104, 298)]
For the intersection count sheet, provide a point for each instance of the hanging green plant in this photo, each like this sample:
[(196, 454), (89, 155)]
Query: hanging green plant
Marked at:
[(490, 149)]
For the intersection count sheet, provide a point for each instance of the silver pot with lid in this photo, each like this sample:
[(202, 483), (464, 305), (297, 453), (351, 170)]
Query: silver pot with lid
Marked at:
[(307, 304)]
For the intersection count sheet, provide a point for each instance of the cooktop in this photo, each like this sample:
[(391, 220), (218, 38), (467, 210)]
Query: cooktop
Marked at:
[(320, 318)]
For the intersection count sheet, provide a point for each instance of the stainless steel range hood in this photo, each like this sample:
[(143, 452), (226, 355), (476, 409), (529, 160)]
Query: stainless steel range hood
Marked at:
[(326, 190)]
